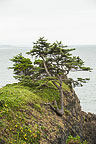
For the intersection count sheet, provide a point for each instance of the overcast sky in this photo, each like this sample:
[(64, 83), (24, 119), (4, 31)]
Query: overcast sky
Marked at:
[(24, 21)]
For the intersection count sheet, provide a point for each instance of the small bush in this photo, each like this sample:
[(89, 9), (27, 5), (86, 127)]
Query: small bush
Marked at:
[(75, 140)]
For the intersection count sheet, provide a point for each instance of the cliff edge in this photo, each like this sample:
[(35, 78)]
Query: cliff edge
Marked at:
[(26, 118)]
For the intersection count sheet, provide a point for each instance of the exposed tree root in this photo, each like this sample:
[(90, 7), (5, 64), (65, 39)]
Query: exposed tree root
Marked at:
[(58, 111)]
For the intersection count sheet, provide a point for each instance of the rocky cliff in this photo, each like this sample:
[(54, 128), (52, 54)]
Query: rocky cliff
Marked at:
[(26, 119)]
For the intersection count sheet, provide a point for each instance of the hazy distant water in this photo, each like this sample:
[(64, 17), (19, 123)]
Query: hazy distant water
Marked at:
[(86, 94)]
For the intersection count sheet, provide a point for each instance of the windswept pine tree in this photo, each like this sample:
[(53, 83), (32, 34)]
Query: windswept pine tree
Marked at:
[(51, 62)]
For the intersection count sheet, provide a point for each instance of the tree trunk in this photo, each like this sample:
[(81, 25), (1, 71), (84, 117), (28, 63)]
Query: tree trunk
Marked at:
[(61, 99), (61, 110), (61, 96), (46, 69)]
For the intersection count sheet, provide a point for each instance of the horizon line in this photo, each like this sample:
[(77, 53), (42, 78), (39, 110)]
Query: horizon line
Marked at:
[(31, 45)]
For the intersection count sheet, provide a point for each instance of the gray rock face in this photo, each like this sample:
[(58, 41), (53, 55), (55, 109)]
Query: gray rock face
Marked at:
[(78, 122), (89, 127)]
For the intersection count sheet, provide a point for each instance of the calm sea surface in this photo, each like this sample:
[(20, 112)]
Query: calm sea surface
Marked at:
[(86, 94)]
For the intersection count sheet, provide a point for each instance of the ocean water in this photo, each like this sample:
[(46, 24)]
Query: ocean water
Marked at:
[(86, 94)]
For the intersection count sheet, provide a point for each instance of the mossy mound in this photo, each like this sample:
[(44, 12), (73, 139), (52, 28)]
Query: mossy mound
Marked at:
[(24, 119)]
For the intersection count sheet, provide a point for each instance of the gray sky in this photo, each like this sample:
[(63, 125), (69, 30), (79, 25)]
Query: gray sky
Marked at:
[(24, 21)]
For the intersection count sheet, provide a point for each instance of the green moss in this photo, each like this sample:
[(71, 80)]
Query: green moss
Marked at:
[(15, 96), (14, 111), (37, 107), (48, 93), (66, 87), (66, 111)]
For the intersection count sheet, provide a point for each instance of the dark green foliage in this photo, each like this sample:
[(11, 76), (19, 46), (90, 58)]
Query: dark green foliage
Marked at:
[(22, 66), (59, 62)]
